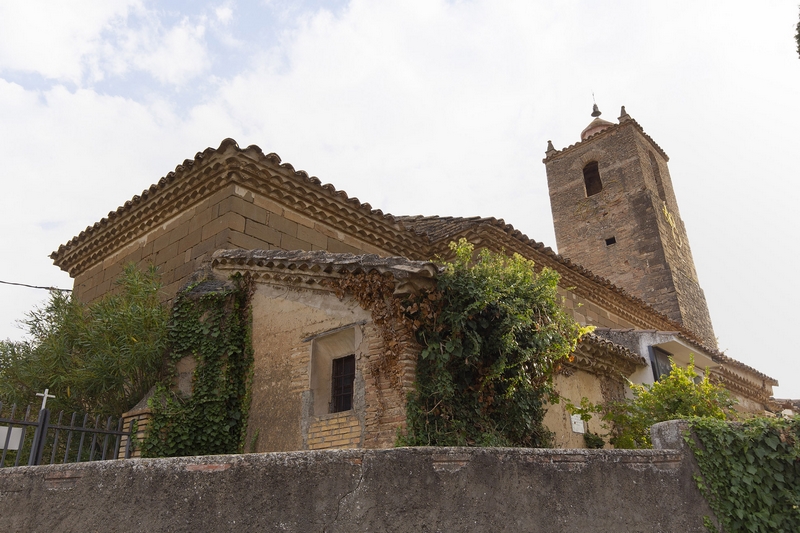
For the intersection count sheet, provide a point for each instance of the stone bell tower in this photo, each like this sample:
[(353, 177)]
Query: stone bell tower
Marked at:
[(615, 213)]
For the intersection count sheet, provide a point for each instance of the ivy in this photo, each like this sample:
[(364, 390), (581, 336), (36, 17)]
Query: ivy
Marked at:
[(210, 323), (493, 335), (750, 472)]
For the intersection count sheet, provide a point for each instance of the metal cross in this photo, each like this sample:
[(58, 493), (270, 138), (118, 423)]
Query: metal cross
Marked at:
[(45, 396)]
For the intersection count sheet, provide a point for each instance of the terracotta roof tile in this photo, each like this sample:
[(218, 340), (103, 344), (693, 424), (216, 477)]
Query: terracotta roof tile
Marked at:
[(187, 165), (400, 267), (614, 348)]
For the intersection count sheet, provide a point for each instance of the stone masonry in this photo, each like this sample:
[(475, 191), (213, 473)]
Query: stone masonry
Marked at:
[(629, 232)]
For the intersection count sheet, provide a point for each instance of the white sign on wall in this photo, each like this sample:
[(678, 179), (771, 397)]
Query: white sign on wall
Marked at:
[(16, 438), (578, 425)]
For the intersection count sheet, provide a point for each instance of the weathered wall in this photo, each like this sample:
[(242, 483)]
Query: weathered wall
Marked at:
[(399, 490), (579, 384), (281, 413), (289, 402), (587, 313)]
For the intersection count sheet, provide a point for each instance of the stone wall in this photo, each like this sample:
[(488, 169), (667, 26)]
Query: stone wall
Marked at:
[(631, 231), (233, 217), (398, 490)]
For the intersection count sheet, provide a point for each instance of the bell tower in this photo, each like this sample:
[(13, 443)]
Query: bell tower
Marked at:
[(615, 213)]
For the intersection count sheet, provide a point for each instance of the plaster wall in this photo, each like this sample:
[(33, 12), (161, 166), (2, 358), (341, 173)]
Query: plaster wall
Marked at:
[(285, 322), (587, 313), (578, 384)]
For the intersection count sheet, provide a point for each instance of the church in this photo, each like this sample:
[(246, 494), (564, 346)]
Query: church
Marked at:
[(624, 259)]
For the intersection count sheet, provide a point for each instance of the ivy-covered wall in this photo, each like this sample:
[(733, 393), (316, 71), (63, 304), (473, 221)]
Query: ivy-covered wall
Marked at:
[(210, 328)]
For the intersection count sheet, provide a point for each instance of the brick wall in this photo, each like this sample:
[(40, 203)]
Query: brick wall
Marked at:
[(286, 321), (141, 418), (337, 430)]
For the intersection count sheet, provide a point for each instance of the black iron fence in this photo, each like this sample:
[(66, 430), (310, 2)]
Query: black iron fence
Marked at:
[(27, 441)]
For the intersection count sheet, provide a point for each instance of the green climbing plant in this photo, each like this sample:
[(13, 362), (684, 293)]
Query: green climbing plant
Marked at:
[(749, 472), (211, 324), (493, 334)]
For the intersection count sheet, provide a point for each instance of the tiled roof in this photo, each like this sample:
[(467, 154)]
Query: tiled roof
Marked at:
[(327, 262), (614, 348), (438, 229), (146, 200)]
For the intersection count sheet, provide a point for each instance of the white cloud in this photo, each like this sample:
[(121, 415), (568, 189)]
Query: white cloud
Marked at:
[(428, 107), (173, 55), (55, 38), (86, 41), (224, 13)]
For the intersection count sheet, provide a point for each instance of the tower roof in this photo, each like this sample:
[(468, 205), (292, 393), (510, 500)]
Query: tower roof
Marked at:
[(595, 126)]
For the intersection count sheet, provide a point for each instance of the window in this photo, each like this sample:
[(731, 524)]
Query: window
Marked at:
[(611, 240), (660, 362), (342, 375), (591, 178), (333, 370)]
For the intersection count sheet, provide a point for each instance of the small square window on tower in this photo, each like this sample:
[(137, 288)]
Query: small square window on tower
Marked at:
[(342, 375), (611, 240)]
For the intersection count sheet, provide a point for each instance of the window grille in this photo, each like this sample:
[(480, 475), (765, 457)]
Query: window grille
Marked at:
[(342, 375)]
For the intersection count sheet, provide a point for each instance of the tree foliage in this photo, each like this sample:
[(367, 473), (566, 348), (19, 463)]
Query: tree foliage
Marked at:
[(100, 358), (494, 333), (679, 394)]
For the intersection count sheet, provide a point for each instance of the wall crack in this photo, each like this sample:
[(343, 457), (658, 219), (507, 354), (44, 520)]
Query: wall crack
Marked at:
[(326, 527)]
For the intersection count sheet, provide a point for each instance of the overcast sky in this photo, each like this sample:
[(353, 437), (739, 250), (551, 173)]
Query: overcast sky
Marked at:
[(417, 107)]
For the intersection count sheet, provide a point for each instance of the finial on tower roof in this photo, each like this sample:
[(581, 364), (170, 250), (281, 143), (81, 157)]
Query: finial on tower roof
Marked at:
[(550, 147), (623, 115), (596, 111)]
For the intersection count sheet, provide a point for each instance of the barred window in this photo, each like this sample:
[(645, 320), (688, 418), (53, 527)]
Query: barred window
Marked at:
[(342, 375)]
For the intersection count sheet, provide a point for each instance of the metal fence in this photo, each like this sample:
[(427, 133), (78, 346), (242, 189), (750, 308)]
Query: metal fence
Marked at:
[(24, 441)]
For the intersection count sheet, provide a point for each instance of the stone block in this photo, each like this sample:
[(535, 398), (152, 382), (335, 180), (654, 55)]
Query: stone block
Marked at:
[(341, 248), (244, 208), (229, 220), (263, 233), (191, 239), (292, 243), (312, 236), (282, 224), (246, 242)]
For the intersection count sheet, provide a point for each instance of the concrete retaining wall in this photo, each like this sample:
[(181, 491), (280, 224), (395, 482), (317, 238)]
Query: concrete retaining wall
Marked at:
[(398, 490)]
